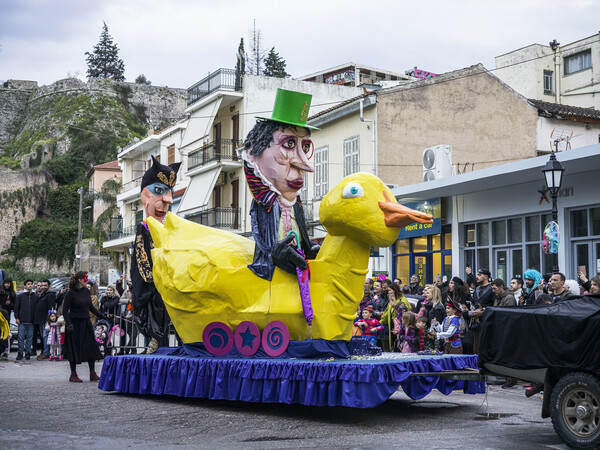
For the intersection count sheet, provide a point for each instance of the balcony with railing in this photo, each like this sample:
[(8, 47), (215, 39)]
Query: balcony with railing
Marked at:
[(220, 150), (218, 217), (308, 211), (222, 79), (117, 231)]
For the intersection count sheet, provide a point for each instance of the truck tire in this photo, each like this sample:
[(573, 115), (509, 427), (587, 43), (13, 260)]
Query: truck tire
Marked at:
[(575, 410)]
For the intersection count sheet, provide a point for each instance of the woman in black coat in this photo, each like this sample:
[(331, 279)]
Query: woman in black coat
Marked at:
[(80, 340)]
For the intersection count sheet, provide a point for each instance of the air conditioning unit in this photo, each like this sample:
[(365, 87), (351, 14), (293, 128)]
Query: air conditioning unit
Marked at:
[(221, 179), (437, 162)]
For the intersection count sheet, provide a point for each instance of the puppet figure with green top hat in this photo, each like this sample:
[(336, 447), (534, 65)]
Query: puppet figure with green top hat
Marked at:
[(276, 157)]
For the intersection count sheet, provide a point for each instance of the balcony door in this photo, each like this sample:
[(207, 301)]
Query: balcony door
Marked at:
[(235, 202), (235, 135), (217, 134)]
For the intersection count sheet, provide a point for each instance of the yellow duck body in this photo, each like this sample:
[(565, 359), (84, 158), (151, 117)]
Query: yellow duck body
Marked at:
[(202, 272)]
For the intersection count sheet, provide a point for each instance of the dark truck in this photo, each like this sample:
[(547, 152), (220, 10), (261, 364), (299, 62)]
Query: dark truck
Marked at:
[(557, 347)]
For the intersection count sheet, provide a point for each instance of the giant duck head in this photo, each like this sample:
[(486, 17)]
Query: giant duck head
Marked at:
[(363, 207)]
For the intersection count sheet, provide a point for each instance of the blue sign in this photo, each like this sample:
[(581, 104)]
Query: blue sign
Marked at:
[(431, 206)]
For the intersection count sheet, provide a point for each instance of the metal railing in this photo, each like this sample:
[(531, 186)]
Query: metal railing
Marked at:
[(219, 150), (126, 337), (221, 79), (117, 231), (218, 217), (308, 211), (136, 183)]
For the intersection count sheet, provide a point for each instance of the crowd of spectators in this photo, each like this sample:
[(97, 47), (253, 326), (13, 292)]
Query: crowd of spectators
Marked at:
[(41, 328), (446, 316)]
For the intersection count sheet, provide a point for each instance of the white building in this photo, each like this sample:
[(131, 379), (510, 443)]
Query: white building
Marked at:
[(567, 74), (222, 111), (134, 160), (496, 217)]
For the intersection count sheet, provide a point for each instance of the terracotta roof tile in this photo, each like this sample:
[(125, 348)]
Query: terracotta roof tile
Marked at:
[(567, 111), (111, 165)]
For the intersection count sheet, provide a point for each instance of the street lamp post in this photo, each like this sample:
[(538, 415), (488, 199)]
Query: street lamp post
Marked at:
[(553, 172)]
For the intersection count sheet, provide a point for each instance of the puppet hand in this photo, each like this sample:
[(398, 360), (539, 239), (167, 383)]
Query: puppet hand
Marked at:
[(286, 258)]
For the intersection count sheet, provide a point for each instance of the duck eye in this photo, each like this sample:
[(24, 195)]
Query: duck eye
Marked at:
[(353, 190)]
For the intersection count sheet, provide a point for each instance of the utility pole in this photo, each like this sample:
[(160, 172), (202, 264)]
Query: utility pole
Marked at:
[(80, 192)]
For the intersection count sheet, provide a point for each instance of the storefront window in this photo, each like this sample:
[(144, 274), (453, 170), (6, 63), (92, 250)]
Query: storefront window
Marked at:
[(470, 235), (436, 243), (448, 240), (483, 233), (483, 258), (499, 232), (579, 225), (403, 268), (437, 265), (517, 262), (420, 244), (533, 256), (401, 246), (595, 220), (532, 227), (514, 230)]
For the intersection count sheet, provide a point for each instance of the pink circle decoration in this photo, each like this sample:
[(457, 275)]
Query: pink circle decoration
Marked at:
[(217, 338), (247, 338), (275, 338)]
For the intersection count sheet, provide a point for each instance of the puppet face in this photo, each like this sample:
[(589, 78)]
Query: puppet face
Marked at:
[(285, 161), (156, 199)]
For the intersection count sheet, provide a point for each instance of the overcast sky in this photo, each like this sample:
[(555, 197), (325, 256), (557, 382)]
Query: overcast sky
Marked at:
[(176, 43)]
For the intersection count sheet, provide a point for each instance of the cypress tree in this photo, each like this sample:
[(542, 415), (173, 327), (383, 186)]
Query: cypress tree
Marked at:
[(104, 61)]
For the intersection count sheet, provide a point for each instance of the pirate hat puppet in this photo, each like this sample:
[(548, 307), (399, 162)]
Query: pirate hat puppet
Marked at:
[(159, 173), (291, 108)]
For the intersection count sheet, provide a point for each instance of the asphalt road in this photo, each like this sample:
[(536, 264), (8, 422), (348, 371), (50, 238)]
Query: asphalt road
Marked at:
[(39, 408)]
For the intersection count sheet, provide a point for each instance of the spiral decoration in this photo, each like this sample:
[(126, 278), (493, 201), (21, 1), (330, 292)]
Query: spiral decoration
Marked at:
[(247, 338), (217, 338), (275, 338)]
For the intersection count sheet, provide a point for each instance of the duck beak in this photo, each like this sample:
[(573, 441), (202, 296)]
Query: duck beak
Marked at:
[(399, 216)]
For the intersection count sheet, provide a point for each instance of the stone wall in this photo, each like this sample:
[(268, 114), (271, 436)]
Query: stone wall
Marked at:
[(13, 103), (13, 217), (41, 265)]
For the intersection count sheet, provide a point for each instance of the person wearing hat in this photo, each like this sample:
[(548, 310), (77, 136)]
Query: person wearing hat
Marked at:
[(149, 309), (276, 157), (370, 326), (449, 329)]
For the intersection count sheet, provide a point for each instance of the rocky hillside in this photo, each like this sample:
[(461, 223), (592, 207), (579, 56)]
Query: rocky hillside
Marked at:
[(49, 137)]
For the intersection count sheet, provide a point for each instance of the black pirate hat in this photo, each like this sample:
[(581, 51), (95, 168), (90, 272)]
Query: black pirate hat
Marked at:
[(160, 173)]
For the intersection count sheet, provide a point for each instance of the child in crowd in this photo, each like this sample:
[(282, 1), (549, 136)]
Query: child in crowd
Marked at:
[(449, 330), (54, 336), (370, 326), (421, 325), (408, 338)]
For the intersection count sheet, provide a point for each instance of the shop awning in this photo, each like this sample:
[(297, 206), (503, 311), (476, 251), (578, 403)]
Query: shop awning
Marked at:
[(579, 160), (199, 190), (200, 122)]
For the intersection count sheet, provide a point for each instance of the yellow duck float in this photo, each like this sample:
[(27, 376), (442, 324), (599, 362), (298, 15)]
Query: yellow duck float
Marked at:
[(202, 273)]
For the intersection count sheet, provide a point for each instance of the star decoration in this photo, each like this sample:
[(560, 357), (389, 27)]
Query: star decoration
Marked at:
[(247, 338)]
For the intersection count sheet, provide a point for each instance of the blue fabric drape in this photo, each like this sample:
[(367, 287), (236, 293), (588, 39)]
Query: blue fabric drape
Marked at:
[(338, 382), (309, 348)]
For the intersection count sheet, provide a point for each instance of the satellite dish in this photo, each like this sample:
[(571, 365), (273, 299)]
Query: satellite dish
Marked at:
[(428, 158)]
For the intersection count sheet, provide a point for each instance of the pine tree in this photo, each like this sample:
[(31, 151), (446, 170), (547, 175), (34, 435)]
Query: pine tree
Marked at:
[(104, 61), (275, 65), (240, 65)]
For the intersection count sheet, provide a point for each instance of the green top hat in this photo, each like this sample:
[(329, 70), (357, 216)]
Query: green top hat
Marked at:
[(291, 107)]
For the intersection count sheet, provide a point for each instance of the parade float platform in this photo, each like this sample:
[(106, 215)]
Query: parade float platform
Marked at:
[(359, 382)]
